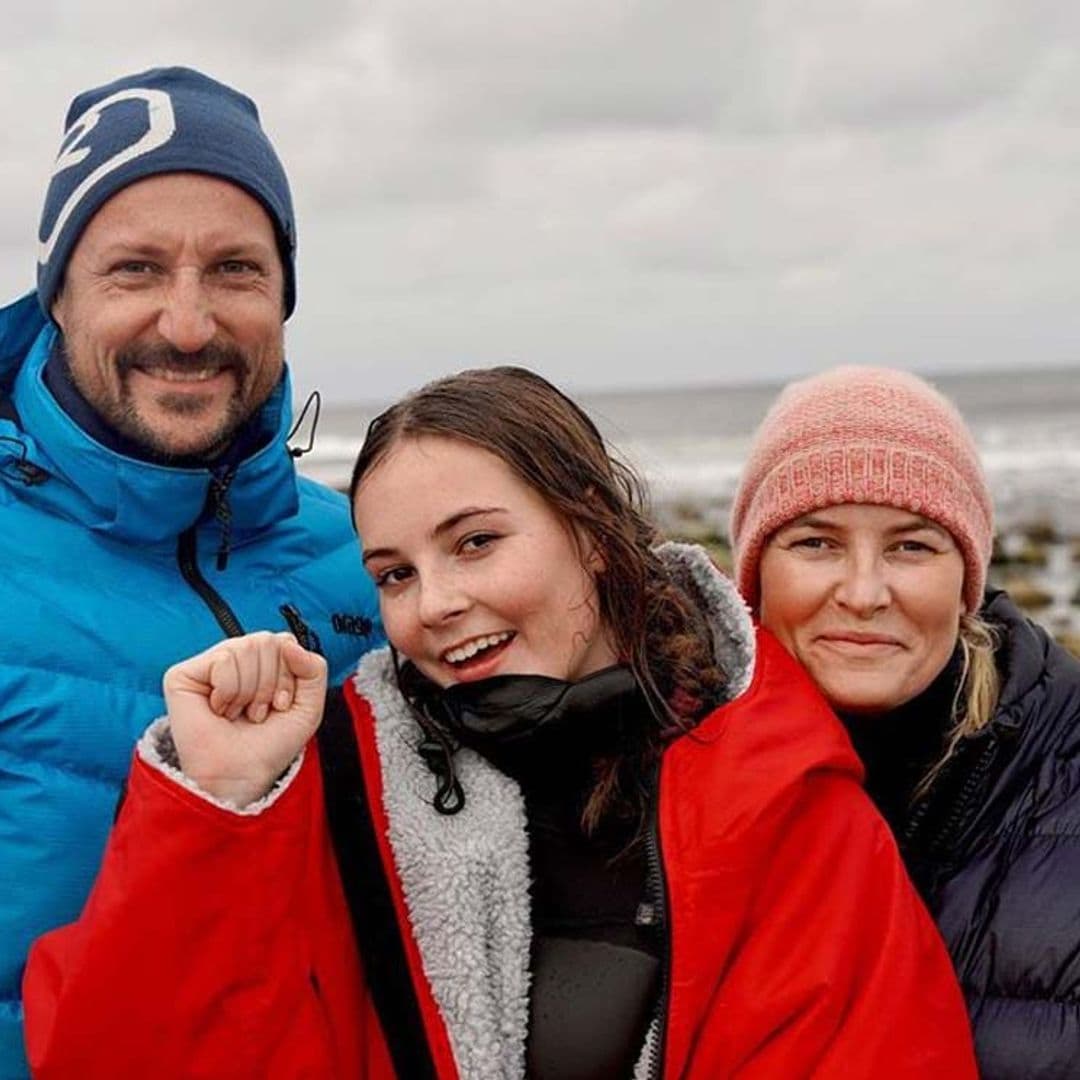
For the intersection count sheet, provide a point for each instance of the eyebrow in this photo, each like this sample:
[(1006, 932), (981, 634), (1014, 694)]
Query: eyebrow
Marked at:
[(140, 246), (808, 521), (441, 529), (913, 524), (134, 247)]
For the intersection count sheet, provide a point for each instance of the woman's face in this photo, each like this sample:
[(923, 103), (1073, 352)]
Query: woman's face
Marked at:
[(477, 575), (867, 598)]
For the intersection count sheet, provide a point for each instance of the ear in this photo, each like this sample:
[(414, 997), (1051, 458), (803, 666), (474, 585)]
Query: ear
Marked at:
[(56, 309), (593, 557), (595, 562)]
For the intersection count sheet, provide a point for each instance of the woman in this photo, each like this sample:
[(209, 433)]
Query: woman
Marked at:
[(585, 823), (862, 536)]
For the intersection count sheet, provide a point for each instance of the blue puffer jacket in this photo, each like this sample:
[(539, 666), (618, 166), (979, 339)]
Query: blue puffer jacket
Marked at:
[(111, 572)]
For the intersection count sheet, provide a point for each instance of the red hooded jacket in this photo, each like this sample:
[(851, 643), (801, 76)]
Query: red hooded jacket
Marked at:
[(218, 944)]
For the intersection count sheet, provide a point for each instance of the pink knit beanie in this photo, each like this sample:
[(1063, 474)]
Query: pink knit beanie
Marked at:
[(863, 435)]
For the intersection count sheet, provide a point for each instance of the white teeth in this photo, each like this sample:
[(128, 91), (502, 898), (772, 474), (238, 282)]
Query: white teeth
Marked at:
[(184, 374), (461, 653)]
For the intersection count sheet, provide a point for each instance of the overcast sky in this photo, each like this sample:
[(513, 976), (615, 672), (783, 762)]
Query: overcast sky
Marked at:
[(623, 192)]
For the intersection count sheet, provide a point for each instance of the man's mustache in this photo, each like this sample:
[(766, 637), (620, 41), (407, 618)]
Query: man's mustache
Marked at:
[(151, 358)]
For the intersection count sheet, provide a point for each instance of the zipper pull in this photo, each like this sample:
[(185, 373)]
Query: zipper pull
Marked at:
[(647, 914), (218, 497)]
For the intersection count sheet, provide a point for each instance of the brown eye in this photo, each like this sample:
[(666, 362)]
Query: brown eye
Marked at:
[(134, 268), (914, 547), (477, 542), (392, 575), (811, 543)]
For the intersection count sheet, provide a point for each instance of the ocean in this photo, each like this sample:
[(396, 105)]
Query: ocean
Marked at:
[(689, 445)]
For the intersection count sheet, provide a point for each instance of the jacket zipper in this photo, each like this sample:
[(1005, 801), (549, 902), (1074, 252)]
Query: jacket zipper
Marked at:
[(934, 824), (300, 630), (188, 560), (656, 884), (960, 812)]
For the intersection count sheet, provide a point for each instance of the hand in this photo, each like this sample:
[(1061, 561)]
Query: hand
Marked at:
[(241, 711)]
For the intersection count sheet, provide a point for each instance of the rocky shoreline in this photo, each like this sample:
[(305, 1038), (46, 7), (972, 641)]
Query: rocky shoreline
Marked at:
[(1036, 550)]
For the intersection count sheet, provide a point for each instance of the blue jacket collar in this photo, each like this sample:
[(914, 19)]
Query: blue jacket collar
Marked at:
[(128, 499)]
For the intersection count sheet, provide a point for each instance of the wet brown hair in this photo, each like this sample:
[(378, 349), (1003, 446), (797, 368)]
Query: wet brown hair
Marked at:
[(552, 445)]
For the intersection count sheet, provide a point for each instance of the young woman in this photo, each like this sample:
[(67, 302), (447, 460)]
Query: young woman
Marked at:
[(862, 536), (580, 821)]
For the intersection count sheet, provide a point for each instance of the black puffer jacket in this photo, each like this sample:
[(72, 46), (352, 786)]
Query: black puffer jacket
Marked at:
[(995, 848)]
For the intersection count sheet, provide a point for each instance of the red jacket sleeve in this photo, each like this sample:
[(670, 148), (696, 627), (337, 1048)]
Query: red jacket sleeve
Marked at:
[(213, 945), (839, 971), (799, 945)]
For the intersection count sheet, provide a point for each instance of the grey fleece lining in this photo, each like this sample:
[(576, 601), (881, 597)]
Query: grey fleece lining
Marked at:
[(466, 877), (157, 749), (725, 610), (466, 883)]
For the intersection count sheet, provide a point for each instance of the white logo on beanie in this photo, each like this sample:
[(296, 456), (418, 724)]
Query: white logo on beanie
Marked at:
[(161, 125)]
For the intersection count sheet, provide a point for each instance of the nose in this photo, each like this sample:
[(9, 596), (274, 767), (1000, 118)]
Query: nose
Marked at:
[(186, 319), (442, 598), (863, 588)]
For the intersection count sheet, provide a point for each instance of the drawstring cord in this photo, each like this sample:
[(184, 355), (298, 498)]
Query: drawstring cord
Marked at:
[(314, 400), (29, 473), (436, 749), (438, 755), (220, 482)]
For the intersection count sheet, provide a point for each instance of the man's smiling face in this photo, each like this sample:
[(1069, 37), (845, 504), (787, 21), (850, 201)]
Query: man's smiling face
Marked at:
[(171, 311)]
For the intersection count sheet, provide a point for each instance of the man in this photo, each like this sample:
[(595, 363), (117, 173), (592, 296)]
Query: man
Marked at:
[(148, 501)]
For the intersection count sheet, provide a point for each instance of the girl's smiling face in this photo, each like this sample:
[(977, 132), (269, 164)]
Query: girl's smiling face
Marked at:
[(867, 598), (477, 574)]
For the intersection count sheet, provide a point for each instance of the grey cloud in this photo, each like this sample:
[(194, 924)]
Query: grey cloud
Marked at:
[(899, 64), (625, 190), (167, 31), (513, 68)]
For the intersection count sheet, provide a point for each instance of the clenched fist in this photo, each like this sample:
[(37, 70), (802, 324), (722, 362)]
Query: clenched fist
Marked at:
[(241, 711)]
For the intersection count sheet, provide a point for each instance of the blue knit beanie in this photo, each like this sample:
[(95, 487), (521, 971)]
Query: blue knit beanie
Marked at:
[(160, 121)]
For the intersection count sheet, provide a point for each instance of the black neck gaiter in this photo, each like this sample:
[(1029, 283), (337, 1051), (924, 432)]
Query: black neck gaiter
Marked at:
[(898, 748)]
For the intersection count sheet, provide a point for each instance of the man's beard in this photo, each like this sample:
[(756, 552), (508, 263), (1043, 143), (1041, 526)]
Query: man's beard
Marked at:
[(124, 414)]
